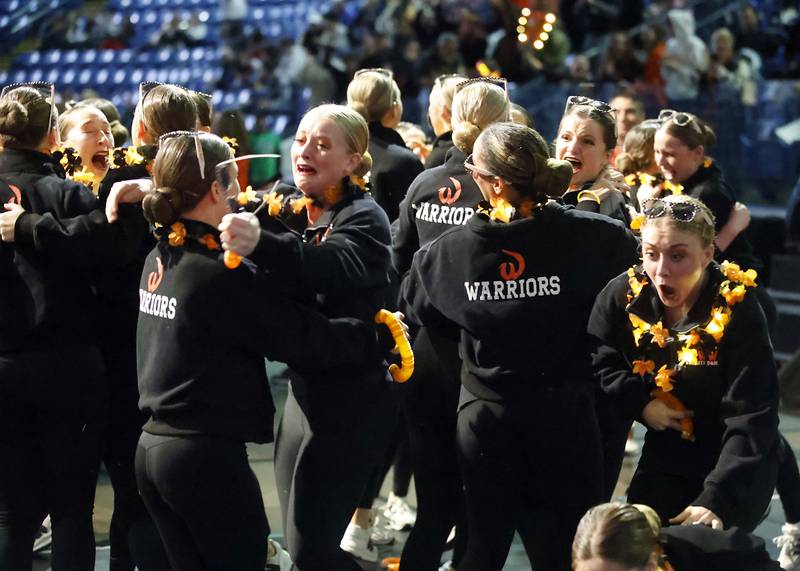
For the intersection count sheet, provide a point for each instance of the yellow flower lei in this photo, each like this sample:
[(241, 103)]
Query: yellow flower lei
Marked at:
[(731, 291), (642, 178), (502, 211)]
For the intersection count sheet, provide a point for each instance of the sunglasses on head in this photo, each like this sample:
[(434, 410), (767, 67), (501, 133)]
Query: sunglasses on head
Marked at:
[(580, 100), (48, 91), (476, 170), (679, 211), (201, 159), (680, 118), (500, 82), (381, 70)]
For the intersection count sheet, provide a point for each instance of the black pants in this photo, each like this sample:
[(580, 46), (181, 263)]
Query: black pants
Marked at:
[(205, 500), (133, 535), (788, 485), (323, 460), (670, 494), (532, 465), (614, 430), (431, 409), (51, 416)]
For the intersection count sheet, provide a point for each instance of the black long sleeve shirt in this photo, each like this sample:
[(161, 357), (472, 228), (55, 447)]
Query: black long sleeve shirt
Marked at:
[(520, 294), (394, 168), (204, 331), (734, 394)]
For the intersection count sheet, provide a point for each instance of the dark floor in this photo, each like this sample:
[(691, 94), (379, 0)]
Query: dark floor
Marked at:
[(261, 461)]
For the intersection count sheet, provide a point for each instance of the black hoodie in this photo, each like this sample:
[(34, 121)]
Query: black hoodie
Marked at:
[(394, 167), (438, 199), (520, 293), (204, 331), (46, 295), (734, 394), (439, 148)]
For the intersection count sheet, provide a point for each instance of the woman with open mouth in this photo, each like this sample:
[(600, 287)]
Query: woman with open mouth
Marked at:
[(86, 129), (682, 346), (587, 136)]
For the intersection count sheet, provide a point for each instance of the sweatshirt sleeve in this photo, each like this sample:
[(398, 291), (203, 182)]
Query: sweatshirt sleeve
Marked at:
[(354, 255), (405, 239), (417, 304), (87, 240), (748, 410), (610, 338), (307, 340)]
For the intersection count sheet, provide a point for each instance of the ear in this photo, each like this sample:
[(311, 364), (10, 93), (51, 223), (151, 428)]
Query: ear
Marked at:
[(698, 153), (652, 563), (216, 193), (352, 163), (52, 138), (141, 132), (500, 187)]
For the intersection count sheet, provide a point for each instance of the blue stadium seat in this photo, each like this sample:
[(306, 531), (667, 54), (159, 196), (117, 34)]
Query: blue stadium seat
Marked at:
[(88, 57)]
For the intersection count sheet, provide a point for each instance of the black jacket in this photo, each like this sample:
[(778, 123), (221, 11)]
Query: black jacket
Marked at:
[(45, 294), (708, 185), (520, 293), (340, 266), (614, 204), (438, 199), (733, 394), (204, 331), (700, 548), (439, 148), (394, 167)]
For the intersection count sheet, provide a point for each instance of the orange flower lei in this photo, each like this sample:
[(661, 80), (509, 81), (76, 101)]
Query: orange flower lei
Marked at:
[(731, 291), (502, 211)]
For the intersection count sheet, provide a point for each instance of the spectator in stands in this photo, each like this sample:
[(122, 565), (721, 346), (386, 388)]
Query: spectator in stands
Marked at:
[(580, 70), (619, 61), (750, 34), (729, 69), (685, 60), (652, 53), (629, 111), (445, 58)]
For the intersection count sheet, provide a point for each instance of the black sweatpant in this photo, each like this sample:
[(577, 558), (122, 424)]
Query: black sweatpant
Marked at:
[(133, 536), (431, 408), (532, 465), (323, 461), (52, 407), (670, 494), (788, 484), (205, 500)]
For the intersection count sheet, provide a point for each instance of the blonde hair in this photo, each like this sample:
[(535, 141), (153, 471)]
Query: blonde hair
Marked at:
[(443, 92), (520, 156), (702, 225), (475, 107), (626, 534), (353, 127), (372, 94)]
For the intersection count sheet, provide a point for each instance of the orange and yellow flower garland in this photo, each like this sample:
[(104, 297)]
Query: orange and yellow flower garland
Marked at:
[(731, 291)]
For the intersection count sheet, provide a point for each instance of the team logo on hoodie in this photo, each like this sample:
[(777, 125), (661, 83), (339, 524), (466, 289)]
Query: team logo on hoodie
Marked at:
[(444, 212), (446, 194), (152, 303), (512, 285)]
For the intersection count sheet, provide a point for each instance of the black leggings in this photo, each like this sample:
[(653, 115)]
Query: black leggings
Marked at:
[(431, 408), (323, 462), (51, 416), (134, 539), (205, 500), (532, 465)]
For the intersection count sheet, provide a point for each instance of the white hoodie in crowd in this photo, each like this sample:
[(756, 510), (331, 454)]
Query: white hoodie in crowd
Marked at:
[(686, 58)]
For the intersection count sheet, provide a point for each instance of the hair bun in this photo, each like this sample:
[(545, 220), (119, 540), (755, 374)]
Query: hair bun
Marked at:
[(365, 165), (360, 108), (13, 118), (465, 134), (162, 206), (554, 178)]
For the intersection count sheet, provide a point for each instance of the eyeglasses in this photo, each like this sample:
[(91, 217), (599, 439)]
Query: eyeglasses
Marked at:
[(382, 70), (473, 169), (680, 211), (500, 82), (680, 118), (48, 91), (580, 100)]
